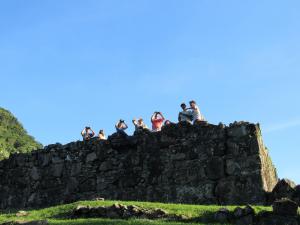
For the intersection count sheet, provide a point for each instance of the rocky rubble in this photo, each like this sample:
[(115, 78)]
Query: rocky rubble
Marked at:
[(284, 213), (285, 188), (285, 207), (198, 164), (119, 211)]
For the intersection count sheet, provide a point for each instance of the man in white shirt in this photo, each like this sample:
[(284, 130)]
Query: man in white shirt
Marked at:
[(197, 116)]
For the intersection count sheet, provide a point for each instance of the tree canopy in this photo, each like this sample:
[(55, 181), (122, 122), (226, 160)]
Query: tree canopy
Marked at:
[(13, 137)]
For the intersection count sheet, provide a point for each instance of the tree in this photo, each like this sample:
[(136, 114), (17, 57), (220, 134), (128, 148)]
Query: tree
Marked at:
[(13, 137)]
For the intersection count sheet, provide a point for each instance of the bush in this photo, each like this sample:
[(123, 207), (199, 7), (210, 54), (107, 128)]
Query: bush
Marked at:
[(13, 137)]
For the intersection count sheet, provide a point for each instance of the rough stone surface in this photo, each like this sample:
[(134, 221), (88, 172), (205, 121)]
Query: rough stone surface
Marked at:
[(296, 195), (119, 211), (247, 216), (223, 215), (268, 218), (244, 216), (285, 207), (199, 164), (285, 188)]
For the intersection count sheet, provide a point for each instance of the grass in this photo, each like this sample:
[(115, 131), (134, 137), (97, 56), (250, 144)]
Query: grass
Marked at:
[(197, 214)]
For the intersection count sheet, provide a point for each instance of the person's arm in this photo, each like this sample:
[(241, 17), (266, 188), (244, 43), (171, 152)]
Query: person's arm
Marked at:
[(179, 117), (162, 117), (152, 118), (134, 122), (93, 133), (125, 126), (82, 132)]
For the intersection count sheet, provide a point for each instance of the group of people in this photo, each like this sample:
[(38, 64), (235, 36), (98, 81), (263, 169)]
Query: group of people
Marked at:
[(87, 133), (190, 115)]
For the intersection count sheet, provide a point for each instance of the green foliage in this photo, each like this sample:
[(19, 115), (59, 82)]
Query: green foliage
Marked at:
[(196, 214), (13, 137)]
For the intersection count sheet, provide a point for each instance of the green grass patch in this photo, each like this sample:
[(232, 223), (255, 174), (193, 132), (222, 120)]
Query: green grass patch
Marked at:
[(197, 214)]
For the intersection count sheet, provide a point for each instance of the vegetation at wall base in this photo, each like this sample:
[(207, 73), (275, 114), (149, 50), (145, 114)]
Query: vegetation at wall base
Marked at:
[(195, 214)]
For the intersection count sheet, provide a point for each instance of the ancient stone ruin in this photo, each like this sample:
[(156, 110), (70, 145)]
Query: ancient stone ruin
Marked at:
[(284, 213), (119, 211), (199, 164)]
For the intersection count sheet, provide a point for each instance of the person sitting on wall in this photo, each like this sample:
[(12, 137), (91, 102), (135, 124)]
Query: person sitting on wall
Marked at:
[(87, 133), (121, 126), (185, 115), (197, 116), (139, 124), (157, 120), (168, 122), (101, 135)]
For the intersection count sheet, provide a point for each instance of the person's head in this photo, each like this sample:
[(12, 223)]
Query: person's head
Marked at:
[(183, 106), (101, 132), (157, 114), (87, 128), (167, 122), (140, 121), (120, 122), (193, 104)]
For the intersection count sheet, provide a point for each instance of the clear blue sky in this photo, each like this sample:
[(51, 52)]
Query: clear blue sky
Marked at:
[(67, 64)]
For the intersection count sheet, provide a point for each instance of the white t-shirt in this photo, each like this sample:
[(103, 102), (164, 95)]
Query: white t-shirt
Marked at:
[(138, 125), (186, 116), (197, 114)]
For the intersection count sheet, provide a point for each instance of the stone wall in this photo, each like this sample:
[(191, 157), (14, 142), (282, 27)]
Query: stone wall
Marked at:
[(200, 164)]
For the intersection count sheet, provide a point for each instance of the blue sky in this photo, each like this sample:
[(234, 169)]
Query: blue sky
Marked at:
[(67, 64)]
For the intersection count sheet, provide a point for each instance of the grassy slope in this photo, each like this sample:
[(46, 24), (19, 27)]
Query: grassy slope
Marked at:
[(55, 215), (13, 137)]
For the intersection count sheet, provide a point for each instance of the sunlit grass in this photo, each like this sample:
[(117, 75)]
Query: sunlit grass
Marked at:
[(196, 214)]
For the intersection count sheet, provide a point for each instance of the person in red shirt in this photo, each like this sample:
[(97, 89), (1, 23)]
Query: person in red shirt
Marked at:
[(157, 120)]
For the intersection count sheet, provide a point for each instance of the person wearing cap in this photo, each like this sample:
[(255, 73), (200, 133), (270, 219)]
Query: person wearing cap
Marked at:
[(121, 126), (87, 133), (185, 115)]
